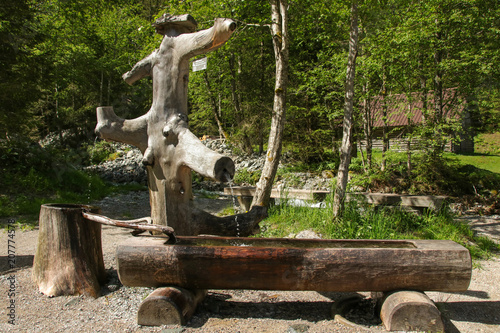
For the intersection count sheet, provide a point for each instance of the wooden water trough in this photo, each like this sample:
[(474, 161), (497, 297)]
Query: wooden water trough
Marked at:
[(183, 271), (416, 203), (294, 264)]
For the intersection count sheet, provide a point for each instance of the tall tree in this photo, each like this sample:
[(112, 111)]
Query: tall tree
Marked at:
[(279, 31), (346, 147)]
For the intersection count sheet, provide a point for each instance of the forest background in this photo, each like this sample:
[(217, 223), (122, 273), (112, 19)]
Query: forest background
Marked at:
[(61, 59)]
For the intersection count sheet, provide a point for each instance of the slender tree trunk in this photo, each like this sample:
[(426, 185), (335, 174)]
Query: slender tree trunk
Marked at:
[(368, 128), (279, 31), (260, 121), (438, 96), (213, 101), (101, 89), (410, 131), (345, 150), (385, 139)]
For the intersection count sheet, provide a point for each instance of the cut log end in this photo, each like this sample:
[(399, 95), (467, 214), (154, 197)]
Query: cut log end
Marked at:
[(410, 311), (169, 306)]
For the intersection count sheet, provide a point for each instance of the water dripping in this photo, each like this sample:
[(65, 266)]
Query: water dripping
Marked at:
[(92, 155), (235, 205)]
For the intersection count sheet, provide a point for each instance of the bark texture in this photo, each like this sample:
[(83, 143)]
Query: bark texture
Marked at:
[(346, 148), (68, 259), (293, 264), (279, 31), (170, 150)]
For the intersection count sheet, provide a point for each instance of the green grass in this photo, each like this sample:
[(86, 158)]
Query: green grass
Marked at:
[(24, 194), (369, 223), (485, 162)]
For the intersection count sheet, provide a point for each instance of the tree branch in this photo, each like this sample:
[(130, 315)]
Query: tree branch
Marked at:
[(111, 127)]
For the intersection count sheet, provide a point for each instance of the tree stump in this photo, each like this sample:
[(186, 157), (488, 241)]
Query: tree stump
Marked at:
[(410, 311), (68, 259), (169, 306)]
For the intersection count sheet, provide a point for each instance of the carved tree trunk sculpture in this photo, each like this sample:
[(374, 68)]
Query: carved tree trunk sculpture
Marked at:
[(170, 150)]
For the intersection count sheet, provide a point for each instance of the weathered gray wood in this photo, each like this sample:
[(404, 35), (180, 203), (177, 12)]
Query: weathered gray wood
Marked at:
[(410, 311), (68, 258), (302, 194), (169, 306), (137, 224), (434, 202), (292, 264), (170, 150)]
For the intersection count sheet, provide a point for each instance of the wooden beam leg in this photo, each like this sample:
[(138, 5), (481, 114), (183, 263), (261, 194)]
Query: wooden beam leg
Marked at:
[(169, 306), (410, 311), (245, 202)]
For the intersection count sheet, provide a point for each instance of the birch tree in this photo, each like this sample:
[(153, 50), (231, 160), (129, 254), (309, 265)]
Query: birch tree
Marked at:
[(279, 31), (346, 147)]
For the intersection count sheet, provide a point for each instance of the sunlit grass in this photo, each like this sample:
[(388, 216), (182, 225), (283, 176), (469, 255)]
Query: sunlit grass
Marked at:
[(367, 222)]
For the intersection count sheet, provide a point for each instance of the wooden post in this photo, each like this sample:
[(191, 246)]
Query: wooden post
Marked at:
[(410, 311), (169, 306), (68, 258), (170, 150)]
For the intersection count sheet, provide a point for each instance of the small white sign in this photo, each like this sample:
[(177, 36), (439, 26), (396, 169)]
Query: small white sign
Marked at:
[(200, 64)]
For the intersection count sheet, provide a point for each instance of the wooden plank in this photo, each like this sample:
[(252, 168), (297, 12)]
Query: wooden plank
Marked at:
[(378, 199), (292, 264), (279, 193), (427, 201)]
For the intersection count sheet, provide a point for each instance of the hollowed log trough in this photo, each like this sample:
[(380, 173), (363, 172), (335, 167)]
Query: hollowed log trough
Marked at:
[(293, 264), (200, 263)]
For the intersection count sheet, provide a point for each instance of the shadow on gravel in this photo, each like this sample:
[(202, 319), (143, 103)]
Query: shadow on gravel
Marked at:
[(220, 307), (20, 262), (485, 312)]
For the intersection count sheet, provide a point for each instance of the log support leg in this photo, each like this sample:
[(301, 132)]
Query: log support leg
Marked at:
[(410, 311), (169, 306), (245, 202)]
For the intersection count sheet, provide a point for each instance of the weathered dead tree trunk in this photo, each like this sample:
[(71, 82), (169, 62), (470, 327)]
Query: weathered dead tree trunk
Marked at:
[(68, 259), (170, 150)]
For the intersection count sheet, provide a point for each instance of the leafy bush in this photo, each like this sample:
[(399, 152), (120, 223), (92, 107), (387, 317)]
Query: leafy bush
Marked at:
[(244, 176), (99, 151), (429, 175)]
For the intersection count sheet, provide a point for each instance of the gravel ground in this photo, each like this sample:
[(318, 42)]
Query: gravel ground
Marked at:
[(477, 310)]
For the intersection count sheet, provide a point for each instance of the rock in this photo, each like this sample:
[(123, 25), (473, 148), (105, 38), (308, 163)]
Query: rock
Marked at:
[(308, 234)]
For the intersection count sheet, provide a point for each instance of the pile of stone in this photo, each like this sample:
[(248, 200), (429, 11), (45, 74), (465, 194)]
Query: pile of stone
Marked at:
[(127, 168)]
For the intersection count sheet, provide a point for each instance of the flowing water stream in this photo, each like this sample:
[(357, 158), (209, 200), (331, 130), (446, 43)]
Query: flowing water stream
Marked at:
[(235, 205)]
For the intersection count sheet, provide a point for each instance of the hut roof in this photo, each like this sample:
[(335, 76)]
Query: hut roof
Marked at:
[(403, 111)]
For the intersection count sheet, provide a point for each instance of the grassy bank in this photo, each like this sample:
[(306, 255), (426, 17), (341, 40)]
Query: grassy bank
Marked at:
[(366, 222), (32, 175)]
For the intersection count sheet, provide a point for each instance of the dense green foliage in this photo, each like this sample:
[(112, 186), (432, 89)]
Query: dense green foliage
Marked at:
[(62, 59), (32, 175)]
